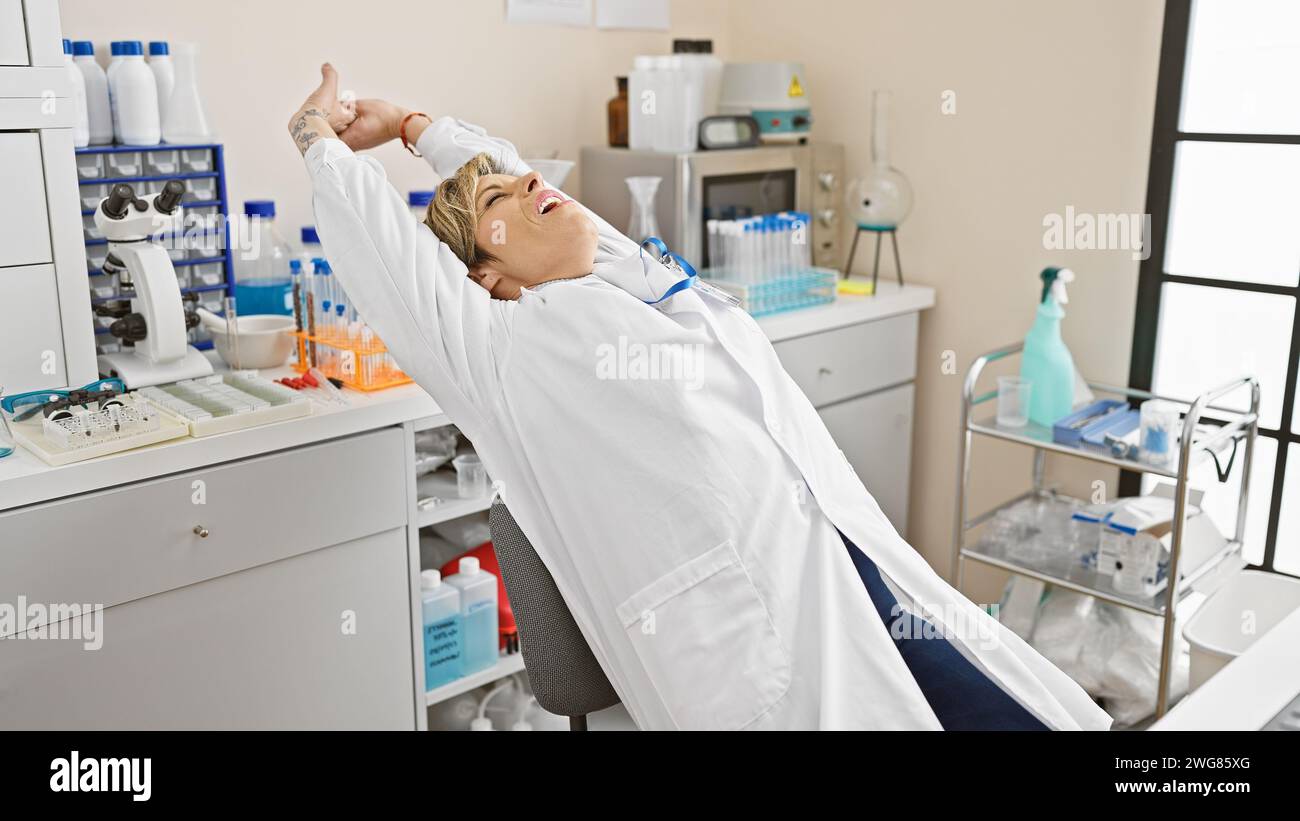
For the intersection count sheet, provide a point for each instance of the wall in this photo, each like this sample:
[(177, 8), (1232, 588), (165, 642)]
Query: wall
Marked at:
[(540, 86), (1054, 104)]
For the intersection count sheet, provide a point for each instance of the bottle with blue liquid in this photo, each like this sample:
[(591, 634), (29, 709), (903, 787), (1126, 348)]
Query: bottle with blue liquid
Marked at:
[(262, 281), (478, 615), (440, 608)]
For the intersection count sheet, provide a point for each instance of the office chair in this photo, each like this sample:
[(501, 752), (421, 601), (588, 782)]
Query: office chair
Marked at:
[(565, 676)]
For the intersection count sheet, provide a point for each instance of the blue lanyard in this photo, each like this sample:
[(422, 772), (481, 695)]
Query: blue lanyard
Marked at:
[(670, 260)]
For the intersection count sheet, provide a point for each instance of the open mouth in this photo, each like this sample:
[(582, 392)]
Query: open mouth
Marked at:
[(548, 200)]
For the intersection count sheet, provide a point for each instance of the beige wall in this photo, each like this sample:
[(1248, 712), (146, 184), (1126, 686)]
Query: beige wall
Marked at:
[(1054, 106), (538, 86)]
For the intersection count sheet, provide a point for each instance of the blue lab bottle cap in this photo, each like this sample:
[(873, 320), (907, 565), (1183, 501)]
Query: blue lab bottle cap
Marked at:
[(82, 48), (132, 48), (116, 48), (67, 46), (322, 267), (339, 308), (295, 266), (420, 199), (157, 48), (259, 208), (309, 235)]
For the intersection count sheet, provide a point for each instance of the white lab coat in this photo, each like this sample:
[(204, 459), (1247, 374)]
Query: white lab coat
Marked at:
[(688, 516)]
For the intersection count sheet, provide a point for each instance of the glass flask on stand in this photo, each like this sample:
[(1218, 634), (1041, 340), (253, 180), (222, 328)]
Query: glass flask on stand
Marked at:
[(883, 199), (643, 224)]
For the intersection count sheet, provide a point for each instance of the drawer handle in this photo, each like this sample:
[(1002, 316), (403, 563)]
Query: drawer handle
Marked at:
[(201, 531), (823, 371)]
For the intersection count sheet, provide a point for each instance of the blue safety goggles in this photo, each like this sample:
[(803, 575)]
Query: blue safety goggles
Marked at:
[(23, 406)]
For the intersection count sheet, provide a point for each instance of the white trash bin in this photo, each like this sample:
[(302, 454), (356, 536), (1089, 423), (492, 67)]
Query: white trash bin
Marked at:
[(1246, 607)]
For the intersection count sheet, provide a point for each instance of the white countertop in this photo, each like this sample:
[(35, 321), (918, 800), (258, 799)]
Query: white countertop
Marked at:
[(26, 480), (1248, 692)]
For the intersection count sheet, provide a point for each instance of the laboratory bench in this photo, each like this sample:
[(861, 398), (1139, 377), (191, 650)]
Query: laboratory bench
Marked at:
[(269, 577)]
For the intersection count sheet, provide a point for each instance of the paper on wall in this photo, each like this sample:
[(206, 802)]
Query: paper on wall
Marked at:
[(555, 12), (632, 14)]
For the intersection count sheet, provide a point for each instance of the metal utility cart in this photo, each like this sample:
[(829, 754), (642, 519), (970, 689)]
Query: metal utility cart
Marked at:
[(1197, 441)]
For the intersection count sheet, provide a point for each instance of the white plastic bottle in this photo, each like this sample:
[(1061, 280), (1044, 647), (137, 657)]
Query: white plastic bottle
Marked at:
[(440, 610), (114, 63), (640, 103), (164, 74), (81, 126), (98, 110), (479, 635), (186, 122), (136, 94)]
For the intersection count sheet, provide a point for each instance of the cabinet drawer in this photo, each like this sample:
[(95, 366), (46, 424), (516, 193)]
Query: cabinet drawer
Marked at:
[(31, 343), (118, 545), (24, 225), (259, 649), (13, 34), (834, 365)]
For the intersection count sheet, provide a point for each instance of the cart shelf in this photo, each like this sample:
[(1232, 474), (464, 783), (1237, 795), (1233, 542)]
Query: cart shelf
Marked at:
[(1201, 436)]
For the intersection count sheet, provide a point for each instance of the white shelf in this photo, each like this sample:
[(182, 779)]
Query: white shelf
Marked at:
[(505, 666), (442, 484)]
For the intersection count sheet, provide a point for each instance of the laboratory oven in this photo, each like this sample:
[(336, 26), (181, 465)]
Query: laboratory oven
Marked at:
[(726, 184)]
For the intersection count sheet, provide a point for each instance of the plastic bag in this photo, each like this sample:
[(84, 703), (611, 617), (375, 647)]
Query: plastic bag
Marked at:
[(434, 448), (1112, 652)]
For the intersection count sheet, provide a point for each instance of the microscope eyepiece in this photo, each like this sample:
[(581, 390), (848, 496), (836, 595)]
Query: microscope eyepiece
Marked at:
[(171, 196), (118, 200)]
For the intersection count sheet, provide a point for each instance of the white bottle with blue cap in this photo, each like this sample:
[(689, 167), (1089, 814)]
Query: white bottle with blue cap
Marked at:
[(114, 63), (419, 203), (164, 74), (262, 282), (98, 111), (135, 93), (81, 125)]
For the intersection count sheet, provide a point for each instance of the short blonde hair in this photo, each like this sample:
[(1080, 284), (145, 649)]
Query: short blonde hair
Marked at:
[(452, 215)]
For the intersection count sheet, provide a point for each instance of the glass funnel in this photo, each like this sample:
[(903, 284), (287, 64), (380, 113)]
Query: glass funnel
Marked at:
[(643, 223)]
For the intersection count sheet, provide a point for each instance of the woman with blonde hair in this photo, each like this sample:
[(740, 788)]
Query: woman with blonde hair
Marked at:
[(719, 554)]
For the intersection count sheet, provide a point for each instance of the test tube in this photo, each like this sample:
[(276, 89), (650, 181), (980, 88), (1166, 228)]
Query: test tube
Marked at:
[(232, 327)]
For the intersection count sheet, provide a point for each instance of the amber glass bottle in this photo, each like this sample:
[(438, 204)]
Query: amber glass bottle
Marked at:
[(618, 116)]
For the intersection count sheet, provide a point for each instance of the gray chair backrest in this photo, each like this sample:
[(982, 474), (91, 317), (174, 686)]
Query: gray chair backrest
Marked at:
[(565, 676)]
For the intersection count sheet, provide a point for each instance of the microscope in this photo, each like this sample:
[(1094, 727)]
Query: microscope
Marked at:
[(153, 329)]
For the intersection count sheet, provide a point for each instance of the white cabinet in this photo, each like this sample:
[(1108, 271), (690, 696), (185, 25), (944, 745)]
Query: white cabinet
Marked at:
[(34, 356), (269, 592), (875, 433), (24, 224), (40, 216), (860, 379), (13, 34), (264, 648)]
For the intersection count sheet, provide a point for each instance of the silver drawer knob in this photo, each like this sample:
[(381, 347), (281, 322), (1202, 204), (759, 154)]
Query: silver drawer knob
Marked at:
[(201, 531)]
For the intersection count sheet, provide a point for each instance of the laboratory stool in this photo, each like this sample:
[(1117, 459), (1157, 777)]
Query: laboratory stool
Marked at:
[(565, 676)]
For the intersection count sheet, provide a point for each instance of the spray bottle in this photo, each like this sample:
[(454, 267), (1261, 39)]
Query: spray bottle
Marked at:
[(1046, 362)]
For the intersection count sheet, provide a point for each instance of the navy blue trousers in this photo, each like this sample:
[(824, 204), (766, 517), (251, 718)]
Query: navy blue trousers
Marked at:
[(960, 695)]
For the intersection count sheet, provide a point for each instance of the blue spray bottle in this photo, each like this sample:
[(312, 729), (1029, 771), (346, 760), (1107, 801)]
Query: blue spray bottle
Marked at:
[(1046, 362)]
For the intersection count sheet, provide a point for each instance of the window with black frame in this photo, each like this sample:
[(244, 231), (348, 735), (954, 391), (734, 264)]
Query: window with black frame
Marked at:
[(1217, 295)]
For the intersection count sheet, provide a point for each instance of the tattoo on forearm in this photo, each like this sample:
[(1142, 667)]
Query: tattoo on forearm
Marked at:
[(305, 139), (301, 136)]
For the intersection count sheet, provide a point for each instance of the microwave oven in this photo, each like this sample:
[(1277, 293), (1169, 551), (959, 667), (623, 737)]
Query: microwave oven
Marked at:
[(725, 184)]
